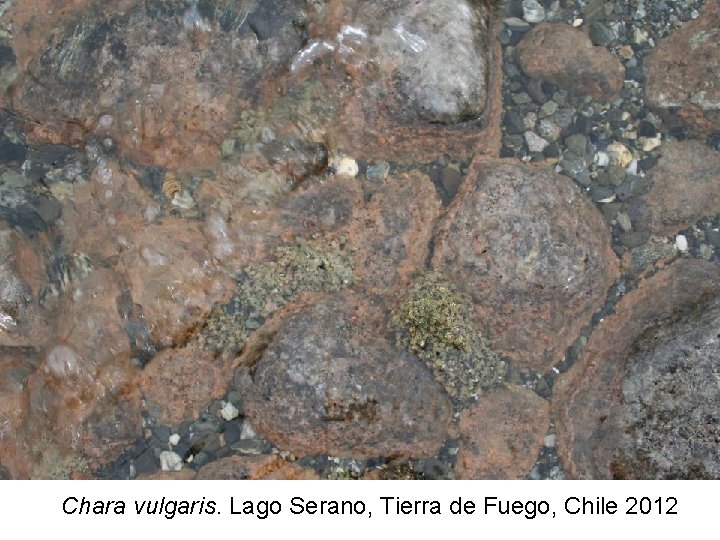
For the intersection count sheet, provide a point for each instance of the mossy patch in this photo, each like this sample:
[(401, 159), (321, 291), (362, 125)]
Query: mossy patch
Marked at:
[(266, 287), (435, 322)]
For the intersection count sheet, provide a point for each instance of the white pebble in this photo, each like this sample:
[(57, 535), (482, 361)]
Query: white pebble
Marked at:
[(174, 439), (549, 441), (345, 166), (229, 411), (681, 242), (170, 461)]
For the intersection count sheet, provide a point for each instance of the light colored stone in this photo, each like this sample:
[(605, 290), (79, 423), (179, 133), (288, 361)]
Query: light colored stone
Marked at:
[(229, 412), (170, 461)]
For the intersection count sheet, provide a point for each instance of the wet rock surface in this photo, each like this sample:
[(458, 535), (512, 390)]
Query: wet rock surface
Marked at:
[(533, 254), (509, 452), (323, 386), (639, 370), (566, 57), (683, 189), (287, 239), (682, 74)]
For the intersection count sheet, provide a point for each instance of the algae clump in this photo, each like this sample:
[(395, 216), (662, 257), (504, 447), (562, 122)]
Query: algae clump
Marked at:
[(266, 287), (436, 323)]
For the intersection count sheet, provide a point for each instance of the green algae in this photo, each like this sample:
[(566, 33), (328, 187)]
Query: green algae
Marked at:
[(266, 287), (435, 322)]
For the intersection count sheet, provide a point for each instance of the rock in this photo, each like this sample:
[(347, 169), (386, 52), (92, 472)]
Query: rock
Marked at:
[(241, 468), (178, 384), (170, 461), (682, 188), (501, 435), (539, 263), (619, 154), (439, 48), (16, 365), (564, 56), (615, 411), (229, 411), (389, 238), (153, 68), (533, 12), (681, 242), (173, 279), (322, 207), (328, 383), (683, 75), (535, 142)]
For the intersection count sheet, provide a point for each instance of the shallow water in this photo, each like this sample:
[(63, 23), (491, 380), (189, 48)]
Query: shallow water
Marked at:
[(358, 238)]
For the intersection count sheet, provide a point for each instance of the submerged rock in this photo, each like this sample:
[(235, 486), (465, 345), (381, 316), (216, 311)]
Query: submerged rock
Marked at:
[(532, 252), (327, 383), (682, 188), (642, 400), (683, 74), (565, 56)]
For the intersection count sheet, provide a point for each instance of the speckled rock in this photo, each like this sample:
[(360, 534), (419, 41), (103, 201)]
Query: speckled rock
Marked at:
[(178, 384), (390, 236), (501, 435), (533, 253), (153, 68), (609, 407), (565, 56), (329, 383), (683, 74), (682, 188)]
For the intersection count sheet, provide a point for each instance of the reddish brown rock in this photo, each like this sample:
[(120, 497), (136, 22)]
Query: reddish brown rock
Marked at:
[(16, 365), (682, 188), (590, 401), (22, 274), (330, 383), (683, 74), (533, 253), (390, 237), (174, 279), (502, 434), (148, 73), (178, 384), (240, 468), (565, 56), (322, 207)]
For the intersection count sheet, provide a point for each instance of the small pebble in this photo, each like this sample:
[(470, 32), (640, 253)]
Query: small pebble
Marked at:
[(602, 159), (170, 461), (229, 411), (619, 154), (174, 439), (533, 12), (535, 142), (681, 243), (345, 166)]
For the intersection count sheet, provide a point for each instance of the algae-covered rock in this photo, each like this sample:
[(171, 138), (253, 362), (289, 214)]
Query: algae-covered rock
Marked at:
[(266, 287), (436, 323)]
